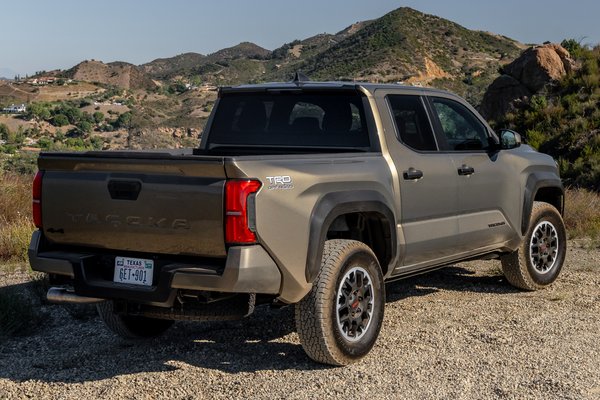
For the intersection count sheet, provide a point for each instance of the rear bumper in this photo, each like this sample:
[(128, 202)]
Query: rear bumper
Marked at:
[(247, 269)]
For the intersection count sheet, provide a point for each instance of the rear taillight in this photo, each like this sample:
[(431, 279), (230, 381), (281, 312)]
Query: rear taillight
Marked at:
[(239, 216), (37, 199)]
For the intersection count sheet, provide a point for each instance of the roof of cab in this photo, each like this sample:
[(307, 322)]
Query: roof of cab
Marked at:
[(314, 85)]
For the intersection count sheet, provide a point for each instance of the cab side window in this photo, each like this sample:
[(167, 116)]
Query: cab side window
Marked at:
[(462, 129), (412, 125)]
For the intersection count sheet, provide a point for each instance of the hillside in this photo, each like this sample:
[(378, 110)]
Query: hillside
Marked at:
[(407, 45), (164, 68), (403, 45), (208, 67), (563, 119), (119, 74)]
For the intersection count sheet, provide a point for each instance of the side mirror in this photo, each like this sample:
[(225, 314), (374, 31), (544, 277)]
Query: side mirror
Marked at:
[(509, 139)]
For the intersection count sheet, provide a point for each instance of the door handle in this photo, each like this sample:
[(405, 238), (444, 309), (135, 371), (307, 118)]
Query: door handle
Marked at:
[(412, 174), (466, 170)]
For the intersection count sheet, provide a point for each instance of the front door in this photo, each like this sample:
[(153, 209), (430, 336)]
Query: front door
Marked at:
[(484, 181)]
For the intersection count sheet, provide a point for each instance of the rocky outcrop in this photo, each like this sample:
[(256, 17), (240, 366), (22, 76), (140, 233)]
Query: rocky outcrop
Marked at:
[(119, 74), (539, 65), (524, 77), (163, 138)]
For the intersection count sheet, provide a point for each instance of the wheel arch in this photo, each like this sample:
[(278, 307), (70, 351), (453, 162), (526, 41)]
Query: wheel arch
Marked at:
[(349, 205), (544, 188)]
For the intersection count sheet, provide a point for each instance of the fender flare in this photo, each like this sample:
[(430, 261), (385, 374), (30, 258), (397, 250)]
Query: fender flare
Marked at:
[(535, 182), (331, 206)]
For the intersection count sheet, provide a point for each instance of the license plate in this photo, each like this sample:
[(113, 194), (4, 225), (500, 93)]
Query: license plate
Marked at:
[(134, 271)]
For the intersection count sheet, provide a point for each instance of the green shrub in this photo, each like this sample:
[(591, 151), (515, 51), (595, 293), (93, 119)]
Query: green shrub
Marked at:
[(60, 120)]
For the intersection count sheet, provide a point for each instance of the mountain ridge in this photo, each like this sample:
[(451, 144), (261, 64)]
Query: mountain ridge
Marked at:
[(403, 45)]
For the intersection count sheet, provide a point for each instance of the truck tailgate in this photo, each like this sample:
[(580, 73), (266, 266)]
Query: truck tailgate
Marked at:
[(142, 202)]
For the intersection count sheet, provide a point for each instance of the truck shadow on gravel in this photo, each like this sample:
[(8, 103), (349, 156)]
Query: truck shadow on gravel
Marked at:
[(69, 350), (451, 278), (73, 350)]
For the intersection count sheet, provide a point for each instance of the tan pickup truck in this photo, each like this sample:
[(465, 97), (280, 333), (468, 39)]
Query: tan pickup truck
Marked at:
[(305, 193)]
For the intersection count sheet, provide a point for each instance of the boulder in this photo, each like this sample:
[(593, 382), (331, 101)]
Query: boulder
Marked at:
[(537, 66), (500, 96), (527, 75)]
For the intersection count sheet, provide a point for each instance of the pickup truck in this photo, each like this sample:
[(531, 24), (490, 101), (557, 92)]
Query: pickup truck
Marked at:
[(312, 194)]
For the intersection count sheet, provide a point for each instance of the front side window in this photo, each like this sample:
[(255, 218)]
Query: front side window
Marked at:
[(462, 129), (412, 124)]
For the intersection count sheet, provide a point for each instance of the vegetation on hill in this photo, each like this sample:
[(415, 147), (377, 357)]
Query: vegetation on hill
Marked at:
[(220, 65), (564, 120), (396, 44), (403, 45)]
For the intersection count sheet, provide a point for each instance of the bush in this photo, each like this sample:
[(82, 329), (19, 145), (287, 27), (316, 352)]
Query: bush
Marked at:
[(14, 239), (84, 126), (60, 120), (4, 132), (15, 221), (21, 163), (98, 117), (15, 196), (582, 214)]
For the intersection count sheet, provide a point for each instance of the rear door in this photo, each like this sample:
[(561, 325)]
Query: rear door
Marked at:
[(428, 187)]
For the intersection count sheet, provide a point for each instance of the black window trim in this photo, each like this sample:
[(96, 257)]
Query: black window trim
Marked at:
[(439, 131), (370, 126), (429, 120)]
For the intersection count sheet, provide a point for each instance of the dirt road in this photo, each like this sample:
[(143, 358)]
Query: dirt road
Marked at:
[(459, 333)]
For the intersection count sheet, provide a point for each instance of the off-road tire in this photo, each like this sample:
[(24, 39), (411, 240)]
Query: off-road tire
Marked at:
[(131, 326), (317, 315), (518, 267)]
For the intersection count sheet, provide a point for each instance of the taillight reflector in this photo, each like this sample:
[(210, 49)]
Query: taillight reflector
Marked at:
[(37, 199), (237, 229)]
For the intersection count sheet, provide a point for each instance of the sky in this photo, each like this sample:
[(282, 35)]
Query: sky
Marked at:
[(42, 35)]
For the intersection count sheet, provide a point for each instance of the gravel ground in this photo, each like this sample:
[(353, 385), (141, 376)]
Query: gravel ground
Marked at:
[(459, 333)]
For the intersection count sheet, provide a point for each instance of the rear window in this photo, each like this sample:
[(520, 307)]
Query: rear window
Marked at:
[(283, 119)]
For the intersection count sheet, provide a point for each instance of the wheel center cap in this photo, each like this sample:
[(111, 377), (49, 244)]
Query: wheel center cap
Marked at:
[(355, 304)]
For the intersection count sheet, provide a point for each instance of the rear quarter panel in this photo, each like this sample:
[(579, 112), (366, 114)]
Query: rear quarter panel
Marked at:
[(284, 209)]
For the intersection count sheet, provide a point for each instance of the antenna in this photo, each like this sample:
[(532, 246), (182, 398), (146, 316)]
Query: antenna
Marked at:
[(299, 77)]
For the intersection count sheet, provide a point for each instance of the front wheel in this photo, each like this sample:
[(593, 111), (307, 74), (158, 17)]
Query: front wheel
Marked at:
[(538, 261), (339, 320)]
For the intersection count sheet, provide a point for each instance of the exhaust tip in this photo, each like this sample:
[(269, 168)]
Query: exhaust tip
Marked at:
[(64, 296)]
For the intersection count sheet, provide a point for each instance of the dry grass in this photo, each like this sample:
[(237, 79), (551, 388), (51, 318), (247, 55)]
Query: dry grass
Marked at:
[(582, 214), (15, 216)]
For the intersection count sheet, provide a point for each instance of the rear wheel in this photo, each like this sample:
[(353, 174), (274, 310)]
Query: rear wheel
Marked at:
[(339, 320), (131, 326), (539, 260)]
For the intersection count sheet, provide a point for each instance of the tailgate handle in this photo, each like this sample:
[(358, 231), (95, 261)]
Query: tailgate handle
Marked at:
[(124, 190)]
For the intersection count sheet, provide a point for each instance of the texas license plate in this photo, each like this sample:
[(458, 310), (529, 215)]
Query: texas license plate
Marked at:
[(134, 271)]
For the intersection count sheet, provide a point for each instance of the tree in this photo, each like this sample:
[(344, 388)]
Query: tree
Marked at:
[(60, 120), (4, 132), (124, 120), (98, 117), (37, 111), (573, 47), (84, 126)]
